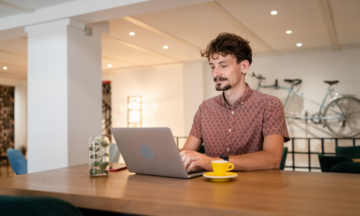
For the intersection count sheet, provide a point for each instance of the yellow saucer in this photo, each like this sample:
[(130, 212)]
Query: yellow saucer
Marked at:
[(226, 177)]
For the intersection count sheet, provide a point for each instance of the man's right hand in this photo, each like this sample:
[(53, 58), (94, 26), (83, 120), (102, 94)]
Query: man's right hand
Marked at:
[(193, 159)]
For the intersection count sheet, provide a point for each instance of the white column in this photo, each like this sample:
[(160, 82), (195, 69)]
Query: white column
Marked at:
[(193, 80), (64, 93)]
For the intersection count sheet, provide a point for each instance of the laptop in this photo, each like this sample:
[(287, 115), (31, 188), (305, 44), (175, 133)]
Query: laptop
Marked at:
[(151, 151)]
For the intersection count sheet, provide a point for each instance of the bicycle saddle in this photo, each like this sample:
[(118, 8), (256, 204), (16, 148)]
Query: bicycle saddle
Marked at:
[(331, 82), (293, 81)]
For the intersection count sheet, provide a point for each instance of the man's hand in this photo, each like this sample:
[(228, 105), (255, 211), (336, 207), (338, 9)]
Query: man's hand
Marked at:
[(192, 159)]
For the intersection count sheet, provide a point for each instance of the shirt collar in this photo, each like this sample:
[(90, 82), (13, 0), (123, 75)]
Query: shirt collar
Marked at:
[(241, 100)]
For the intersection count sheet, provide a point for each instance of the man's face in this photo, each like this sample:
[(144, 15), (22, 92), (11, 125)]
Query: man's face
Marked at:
[(225, 71)]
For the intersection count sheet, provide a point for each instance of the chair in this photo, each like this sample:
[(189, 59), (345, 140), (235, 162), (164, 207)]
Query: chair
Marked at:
[(350, 151), (346, 167), (327, 162), (39, 206), (114, 153), (283, 159), (202, 149), (17, 161)]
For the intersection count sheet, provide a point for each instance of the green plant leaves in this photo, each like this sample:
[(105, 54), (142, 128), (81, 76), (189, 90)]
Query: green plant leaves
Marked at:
[(94, 171), (96, 163), (103, 166), (104, 144), (94, 156), (94, 149), (96, 152)]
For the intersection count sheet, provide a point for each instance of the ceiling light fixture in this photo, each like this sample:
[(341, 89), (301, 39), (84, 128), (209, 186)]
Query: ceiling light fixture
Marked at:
[(299, 44), (165, 47), (132, 33), (109, 65), (288, 32), (273, 12), (5, 68)]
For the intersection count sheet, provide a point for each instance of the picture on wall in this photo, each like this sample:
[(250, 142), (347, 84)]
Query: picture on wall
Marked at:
[(6, 118)]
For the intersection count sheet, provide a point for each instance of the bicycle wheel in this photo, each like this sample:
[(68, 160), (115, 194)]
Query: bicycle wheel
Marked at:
[(346, 125)]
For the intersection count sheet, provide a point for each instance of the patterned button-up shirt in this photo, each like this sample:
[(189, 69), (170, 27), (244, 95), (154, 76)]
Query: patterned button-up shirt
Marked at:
[(240, 128)]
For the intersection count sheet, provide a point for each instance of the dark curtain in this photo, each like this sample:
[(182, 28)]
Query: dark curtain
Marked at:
[(6, 118)]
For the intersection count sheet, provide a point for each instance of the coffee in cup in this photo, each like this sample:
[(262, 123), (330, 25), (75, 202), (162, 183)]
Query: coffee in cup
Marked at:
[(220, 167)]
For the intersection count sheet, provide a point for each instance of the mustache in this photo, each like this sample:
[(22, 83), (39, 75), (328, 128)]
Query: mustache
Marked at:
[(220, 79)]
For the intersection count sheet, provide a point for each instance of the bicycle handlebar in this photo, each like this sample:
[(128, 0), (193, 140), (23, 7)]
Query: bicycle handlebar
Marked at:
[(293, 81), (257, 77)]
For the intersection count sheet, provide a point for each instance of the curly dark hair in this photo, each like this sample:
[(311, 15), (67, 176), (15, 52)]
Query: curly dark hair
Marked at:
[(227, 43)]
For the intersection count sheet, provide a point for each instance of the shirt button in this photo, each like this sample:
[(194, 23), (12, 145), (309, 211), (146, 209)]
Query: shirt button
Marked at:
[(227, 149), (229, 130), (232, 112), (242, 103)]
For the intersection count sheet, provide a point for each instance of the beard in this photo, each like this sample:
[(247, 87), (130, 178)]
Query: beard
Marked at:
[(218, 85)]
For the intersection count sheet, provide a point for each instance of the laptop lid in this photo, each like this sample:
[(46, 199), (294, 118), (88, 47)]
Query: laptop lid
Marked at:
[(150, 151)]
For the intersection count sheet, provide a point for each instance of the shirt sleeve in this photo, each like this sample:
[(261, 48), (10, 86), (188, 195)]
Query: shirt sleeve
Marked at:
[(274, 119), (196, 127)]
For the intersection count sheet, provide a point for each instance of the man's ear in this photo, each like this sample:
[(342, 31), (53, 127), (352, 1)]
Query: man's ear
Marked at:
[(245, 65)]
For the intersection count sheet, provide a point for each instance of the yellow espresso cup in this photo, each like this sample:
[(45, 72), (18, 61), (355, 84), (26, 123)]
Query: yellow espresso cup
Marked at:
[(220, 167)]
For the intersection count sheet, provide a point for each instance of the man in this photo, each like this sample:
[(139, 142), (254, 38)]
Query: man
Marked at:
[(241, 125)]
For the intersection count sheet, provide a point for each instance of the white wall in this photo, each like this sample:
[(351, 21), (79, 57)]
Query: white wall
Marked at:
[(193, 91), (161, 89)]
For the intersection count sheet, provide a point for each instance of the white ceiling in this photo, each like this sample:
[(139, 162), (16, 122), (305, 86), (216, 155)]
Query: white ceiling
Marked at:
[(187, 29), (15, 7)]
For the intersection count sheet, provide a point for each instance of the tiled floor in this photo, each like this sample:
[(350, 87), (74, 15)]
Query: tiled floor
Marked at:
[(4, 172)]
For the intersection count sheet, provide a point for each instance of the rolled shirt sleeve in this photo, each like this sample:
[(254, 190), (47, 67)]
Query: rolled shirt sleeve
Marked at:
[(196, 127), (274, 119)]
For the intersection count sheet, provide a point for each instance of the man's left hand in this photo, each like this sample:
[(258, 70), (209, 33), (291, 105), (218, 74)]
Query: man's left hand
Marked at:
[(192, 159)]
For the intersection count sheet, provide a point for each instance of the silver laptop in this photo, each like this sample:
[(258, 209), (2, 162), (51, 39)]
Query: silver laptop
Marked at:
[(151, 151)]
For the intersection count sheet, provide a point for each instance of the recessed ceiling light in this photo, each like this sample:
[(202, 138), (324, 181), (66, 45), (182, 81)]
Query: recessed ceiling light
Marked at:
[(273, 12), (5, 68), (299, 44), (109, 65), (165, 47), (132, 33), (288, 32)]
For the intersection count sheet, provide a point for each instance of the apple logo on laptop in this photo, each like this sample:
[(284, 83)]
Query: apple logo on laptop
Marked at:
[(146, 152)]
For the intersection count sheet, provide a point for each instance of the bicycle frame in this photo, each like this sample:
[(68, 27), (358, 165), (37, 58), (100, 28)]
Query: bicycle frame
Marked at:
[(290, 90)]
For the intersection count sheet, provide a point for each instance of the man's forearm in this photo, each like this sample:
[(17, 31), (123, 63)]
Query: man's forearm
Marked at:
[(261, 160)]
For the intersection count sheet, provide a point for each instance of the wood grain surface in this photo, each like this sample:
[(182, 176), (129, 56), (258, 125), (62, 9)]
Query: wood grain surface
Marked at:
[(270, 192)]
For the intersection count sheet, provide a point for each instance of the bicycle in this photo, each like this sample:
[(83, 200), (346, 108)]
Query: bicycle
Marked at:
[(341, 116)]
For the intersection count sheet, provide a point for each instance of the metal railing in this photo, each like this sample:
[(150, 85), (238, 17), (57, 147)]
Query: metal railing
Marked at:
[(292, 149), (309, 152)]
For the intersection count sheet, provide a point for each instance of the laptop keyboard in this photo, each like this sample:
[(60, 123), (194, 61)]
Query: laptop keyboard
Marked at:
[(196, 173)]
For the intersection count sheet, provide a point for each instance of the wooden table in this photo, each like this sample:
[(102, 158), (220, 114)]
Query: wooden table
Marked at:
[(251, 193)]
